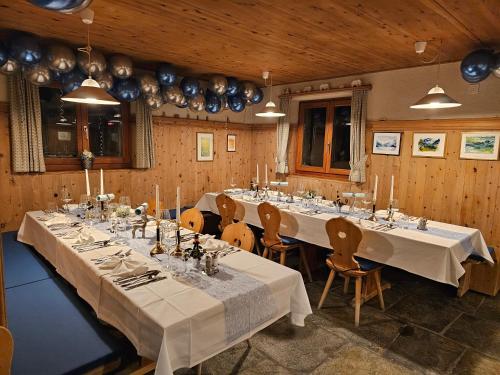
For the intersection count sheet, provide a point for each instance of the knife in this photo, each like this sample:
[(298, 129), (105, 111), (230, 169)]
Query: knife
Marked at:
[(146, 282)]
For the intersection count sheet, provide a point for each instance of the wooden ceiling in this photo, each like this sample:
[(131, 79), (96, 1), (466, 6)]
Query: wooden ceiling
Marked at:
[(297, 40)]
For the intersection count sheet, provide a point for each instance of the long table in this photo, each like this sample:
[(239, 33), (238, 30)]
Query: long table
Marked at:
[(176, 322), (435, 254)]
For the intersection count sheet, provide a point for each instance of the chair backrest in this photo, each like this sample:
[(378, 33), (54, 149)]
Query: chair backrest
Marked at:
[(227, 209), (152, 207), (192, 219), (270, 218), (344, 239), (239, 235), (6, 351)]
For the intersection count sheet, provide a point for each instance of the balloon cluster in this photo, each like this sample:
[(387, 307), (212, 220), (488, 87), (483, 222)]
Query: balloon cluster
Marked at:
[(42, 63), (478, 65)]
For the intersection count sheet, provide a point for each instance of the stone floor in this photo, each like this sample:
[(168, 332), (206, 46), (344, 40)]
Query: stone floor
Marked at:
[(425, 329)]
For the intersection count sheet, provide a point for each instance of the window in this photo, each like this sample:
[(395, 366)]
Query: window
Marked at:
[(323, 138), (70, 128)]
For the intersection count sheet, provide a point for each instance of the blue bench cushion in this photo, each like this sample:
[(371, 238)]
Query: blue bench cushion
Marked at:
[(366, 265), (21, 264), (491, 250), (173, 212), (289, 240), (55, 332)]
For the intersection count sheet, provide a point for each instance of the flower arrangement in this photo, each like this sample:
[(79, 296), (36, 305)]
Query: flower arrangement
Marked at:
[(123, 212), (309, 194)]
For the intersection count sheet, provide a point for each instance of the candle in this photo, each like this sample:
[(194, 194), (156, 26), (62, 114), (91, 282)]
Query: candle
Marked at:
[(87, 184), (257, 178), (157, 207), (178, 205), (375, 189), (391, 198), (267, 181), (102, 182)]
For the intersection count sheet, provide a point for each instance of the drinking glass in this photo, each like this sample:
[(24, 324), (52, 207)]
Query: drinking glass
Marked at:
[(66, 198), (125, 201), (51, 208), (232, 183), (367, 202)]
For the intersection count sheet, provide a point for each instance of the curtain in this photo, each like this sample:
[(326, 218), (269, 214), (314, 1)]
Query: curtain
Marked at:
[(282, 131), (26, 126), (358, 124), (144, 155)]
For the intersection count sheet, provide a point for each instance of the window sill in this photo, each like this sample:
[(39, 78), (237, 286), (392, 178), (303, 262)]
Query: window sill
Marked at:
[(324, 176)]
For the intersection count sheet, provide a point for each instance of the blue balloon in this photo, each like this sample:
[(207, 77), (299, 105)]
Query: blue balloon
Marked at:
[(72, 80), (213, 103), (166, 75), (4, 55), (236, 103), (190, 86), (25, 49), (57, 75), (477, 65), (65, 6), (232, 86), (257, 96), (126, 90)]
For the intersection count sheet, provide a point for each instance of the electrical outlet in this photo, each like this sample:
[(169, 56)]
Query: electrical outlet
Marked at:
[(473, 89)]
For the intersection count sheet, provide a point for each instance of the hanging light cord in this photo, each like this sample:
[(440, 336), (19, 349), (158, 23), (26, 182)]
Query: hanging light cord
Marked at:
[(439, 62), (87, 49)]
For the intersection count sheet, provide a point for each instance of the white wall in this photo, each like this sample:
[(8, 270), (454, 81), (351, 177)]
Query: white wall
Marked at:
[(394, 91)]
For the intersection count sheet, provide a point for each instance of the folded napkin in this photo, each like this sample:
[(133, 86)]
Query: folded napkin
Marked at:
[(123, 265), (85, 237), (213, 244), (57, 218), (383, 214)]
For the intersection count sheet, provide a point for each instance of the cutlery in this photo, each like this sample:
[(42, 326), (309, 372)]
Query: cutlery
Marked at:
[(107, 256), (127, 279), (105, 259), (153, 280)]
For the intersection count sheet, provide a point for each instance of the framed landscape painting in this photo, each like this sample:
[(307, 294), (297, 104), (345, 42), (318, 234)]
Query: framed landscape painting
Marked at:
[(386, 143), (429, 145), (480, 146), (204, 146), (231, 143)]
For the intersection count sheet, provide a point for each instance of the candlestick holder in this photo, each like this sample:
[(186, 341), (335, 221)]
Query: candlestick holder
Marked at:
[(390, 215), (372, 216), (266, 193), (256, 193), (103, 211), (178, 251), (158, 248)]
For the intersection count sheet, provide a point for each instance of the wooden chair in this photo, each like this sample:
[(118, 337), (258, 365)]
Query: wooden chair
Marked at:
[(227, 209), (344, 239), (152, 207), (270, 219), (6, 351), (239, 235), (192, 219)]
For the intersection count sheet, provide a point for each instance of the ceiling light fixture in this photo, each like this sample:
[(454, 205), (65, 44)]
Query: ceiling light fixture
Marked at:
[(89, 92), (436, 97), (270, 110)]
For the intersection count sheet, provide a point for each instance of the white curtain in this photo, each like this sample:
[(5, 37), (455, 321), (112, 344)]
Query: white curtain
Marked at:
[(144, 152), (282, 131), (358, 125), (26, 126)]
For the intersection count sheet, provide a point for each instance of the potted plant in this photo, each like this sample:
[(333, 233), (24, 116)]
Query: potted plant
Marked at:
[(87, 159)]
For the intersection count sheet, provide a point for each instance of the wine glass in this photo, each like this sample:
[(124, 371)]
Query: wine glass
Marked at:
[(367, 202), (51, 208), (66, 198), (232, 183), (125, 201)]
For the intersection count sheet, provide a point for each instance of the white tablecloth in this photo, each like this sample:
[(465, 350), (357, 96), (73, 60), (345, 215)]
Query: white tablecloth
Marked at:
[(435, 254), (175, 323)]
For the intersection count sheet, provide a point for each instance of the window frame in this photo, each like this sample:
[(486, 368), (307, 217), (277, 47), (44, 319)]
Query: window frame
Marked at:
[(325, 170), (83, 143)]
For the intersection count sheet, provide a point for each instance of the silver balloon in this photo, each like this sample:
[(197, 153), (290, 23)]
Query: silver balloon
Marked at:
[(247, 90), (154, 101), (38, 74), (218, 84), (172, 94), (10, 67), (496, 68), (183, 103), (121, 66), (148, 84), (97, 62), (105, 80), (60, 58), (197, 103)]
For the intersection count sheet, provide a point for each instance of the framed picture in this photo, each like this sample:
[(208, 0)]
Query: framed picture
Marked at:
[(480, 146), (429, 145), (231, 142), (386, 143), (204, 146)]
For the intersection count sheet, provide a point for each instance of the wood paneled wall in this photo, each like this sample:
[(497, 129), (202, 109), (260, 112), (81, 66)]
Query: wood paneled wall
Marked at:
[(175, 144), (464, 192)]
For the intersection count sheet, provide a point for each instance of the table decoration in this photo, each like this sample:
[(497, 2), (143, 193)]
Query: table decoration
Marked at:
[(158, 248), (279, 184), (141, 224), (422, 224)]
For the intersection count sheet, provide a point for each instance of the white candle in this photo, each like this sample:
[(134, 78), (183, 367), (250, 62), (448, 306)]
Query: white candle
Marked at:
[(178, 205), (267, 181), (391, 198), (257, 178), (102, 182), (157, 208), (87, 184), (375, 189)]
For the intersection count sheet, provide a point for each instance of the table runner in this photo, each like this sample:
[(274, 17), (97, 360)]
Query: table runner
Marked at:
[(435, 254), (173, 322)]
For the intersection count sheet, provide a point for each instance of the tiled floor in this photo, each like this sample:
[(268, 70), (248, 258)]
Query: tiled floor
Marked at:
[(425, 329)]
